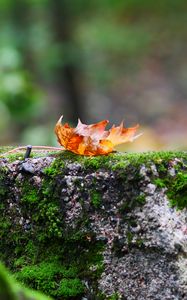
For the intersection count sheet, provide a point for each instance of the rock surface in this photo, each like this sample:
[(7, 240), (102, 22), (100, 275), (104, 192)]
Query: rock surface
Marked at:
[(120, 216)]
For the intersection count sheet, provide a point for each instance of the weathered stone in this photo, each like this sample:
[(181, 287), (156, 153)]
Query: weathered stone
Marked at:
[(125, 207)]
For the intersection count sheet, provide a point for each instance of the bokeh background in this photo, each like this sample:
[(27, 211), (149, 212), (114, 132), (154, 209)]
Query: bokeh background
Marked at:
[(97, 59)]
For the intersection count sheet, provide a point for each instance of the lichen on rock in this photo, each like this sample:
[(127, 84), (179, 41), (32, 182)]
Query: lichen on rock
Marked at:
[(107, 227)]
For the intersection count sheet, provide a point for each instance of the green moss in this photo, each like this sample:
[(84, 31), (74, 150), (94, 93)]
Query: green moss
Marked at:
[(60, 270), (4, 149), (177, 191), (11, 156), (43, 207), (55, 168), (70, 287), (4, 224), (115, 161), (44, 277), (159, 182), (11, 290), (3, 186), (102, 296), (115, 296), (176, 185), (30, 195), (129, 237), (139, 242), (50, 216), (97, 162), (141, 199), (96, 199), (3, 190), (138, 159)]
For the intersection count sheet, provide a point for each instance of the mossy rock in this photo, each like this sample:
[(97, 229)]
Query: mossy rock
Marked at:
[(64, 218)]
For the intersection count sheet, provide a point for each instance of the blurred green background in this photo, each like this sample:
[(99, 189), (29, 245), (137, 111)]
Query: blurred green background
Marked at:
[(97, 59)]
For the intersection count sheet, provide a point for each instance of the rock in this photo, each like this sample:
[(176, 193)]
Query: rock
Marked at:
[(150, 189), (28, 167), (109, 227)]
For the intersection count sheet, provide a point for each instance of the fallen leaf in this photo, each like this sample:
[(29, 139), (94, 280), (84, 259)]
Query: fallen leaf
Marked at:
[(93, 139)]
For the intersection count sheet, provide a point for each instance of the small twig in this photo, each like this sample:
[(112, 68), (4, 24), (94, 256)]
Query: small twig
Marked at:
[(28, 151), (39, 148)]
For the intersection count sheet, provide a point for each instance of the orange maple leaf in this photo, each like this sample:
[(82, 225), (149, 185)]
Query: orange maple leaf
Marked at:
[(93, 139)]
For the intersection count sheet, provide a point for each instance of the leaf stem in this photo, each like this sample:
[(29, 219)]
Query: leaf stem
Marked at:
[(37, 148)]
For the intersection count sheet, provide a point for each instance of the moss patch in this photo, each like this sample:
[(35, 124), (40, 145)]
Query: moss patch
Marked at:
[(43, 276), (96, 199), (177, 190), (174, 182), (117, 160), (159, 182), (11, 290)]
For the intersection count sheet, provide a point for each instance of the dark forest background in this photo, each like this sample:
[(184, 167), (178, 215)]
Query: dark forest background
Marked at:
[(97, 59)]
